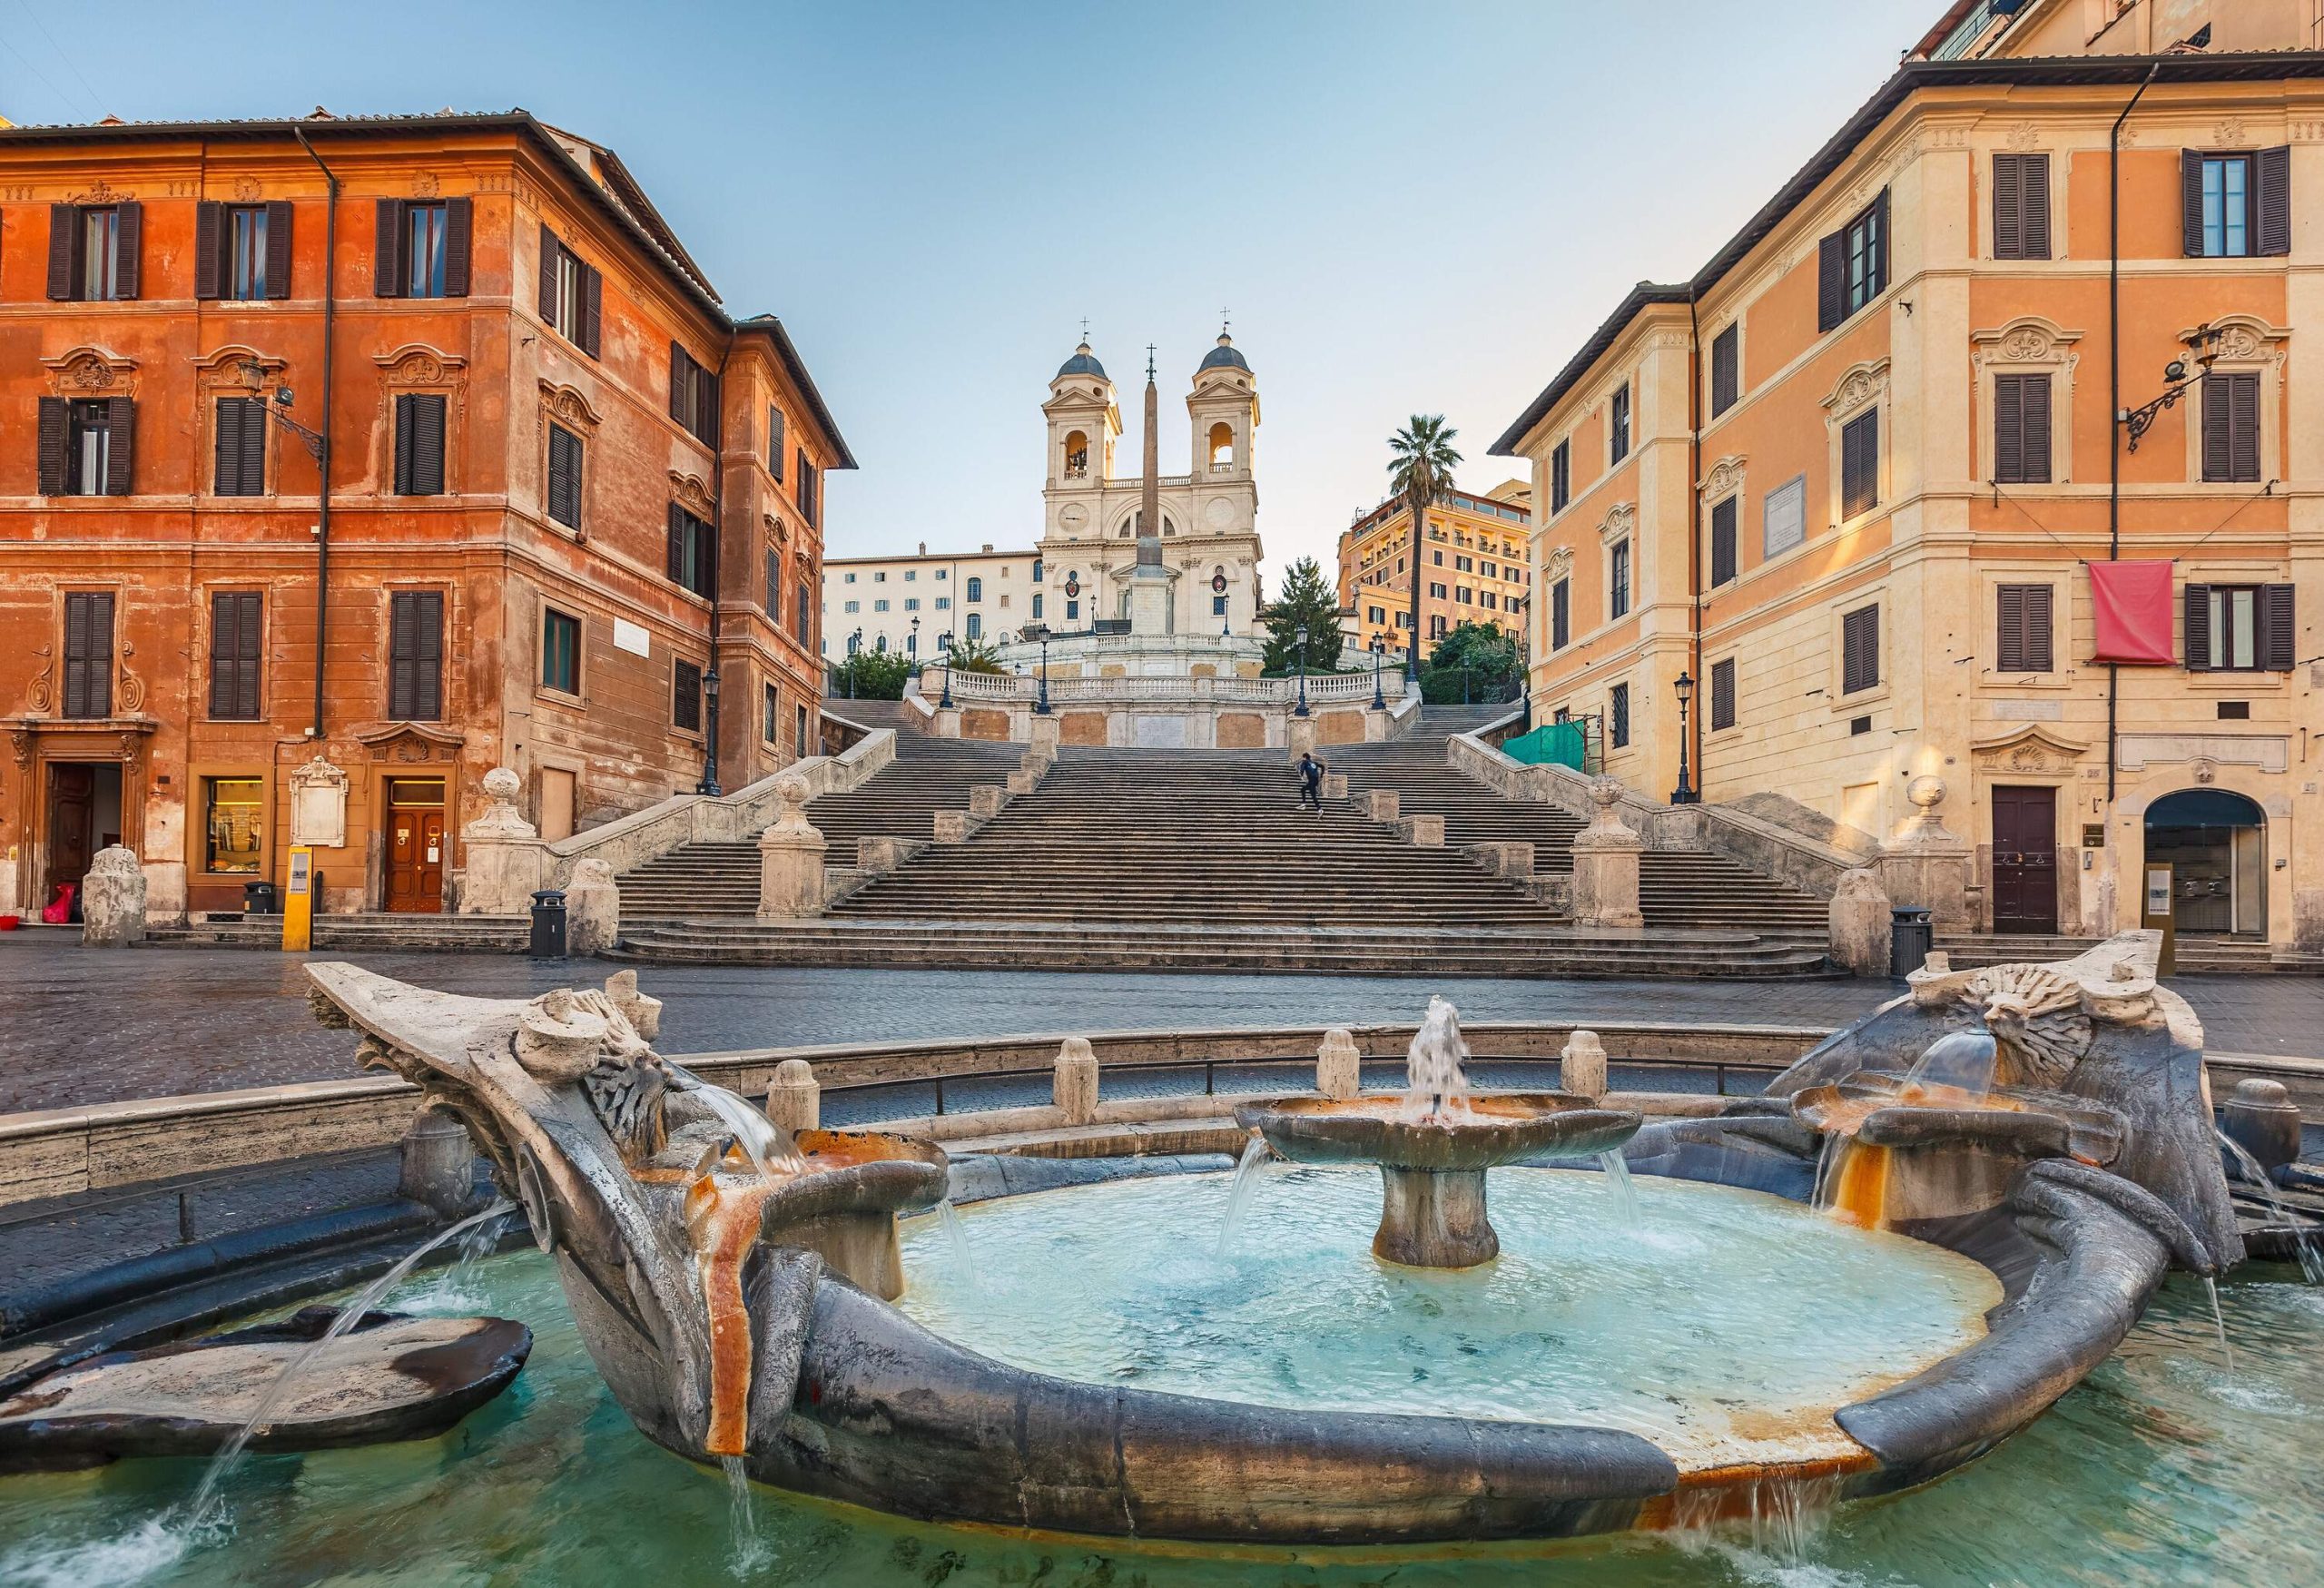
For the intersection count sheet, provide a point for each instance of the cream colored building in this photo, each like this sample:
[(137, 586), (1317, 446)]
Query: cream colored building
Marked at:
[(1852, 476), (872, 601)]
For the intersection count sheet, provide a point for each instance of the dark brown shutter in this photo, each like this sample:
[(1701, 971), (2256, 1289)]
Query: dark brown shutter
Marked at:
[(1560, 613), (706, 407), (225, 642), (676, 566), (1722, 694), (64, 251), (278, 248), (1722, 541), (565, 477), (2009, 208), (2271, 185), (403, 651), (429, 666), (2009, 646), (459, 225), (2278, 633), (88, 654), (2009, 428), (1725, 369), (1831, 281), (2190, 202), (253, 455), (76, 654), (52, 445), (427, 445), (2219, 421), (2039, 656), (2243, 441), (685, 696), (1860, 650), (128, 248), (681, 386), (226, 471), (2197, 623), (593, 300), (121, 445), (387, 249), (209, 242), (405, 426), (550, 249), (2035, 191), (2036, 429)]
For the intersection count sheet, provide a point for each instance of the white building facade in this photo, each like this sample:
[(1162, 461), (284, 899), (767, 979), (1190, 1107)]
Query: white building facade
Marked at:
[(872, 602)]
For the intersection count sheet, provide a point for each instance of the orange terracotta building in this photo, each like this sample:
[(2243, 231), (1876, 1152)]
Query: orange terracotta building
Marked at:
[(537, 410), (1889, 441)]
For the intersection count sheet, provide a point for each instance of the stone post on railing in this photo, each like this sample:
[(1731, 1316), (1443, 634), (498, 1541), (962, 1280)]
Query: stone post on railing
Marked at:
[(1043, 734), (1382, 805), (591, 908), (791, 858), (506, 859), (1860, 923), (1926, 867), (1301, 736), (1339, 1066), (1074, 1086), (112, 900), (796, 1101), (1581, 1065), (1605, 864)]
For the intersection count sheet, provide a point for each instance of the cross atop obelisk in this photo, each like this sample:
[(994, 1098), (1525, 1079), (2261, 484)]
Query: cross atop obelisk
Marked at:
[(1149, 501)]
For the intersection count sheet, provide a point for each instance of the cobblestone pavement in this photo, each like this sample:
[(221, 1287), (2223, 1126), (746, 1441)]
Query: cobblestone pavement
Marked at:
[(81, 1026)]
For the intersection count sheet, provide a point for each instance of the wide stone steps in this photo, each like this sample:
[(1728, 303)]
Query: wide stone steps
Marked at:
[(376, 930), (2192, 955)]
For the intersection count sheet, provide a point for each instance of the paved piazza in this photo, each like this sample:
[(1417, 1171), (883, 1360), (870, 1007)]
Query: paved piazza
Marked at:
[(85, 1028)]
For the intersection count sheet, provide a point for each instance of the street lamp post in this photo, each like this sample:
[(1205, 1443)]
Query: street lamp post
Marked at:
[(1379, 648), (945, 640), (1685, 794), (855, 645), (1301, 709), (1041, 706), (709, 785)]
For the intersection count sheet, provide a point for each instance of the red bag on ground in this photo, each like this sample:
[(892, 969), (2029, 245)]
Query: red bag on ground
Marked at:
[(59, 910)]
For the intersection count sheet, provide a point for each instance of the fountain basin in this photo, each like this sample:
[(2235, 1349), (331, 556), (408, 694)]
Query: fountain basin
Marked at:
[(1433, 1163)]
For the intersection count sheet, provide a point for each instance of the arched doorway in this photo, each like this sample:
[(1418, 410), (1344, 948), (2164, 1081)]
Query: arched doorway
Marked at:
[(2216, 844)]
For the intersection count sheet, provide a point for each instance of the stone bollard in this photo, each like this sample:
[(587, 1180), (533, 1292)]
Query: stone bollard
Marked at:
[(1382, 805), (1581, 1065), (112, 900), (1024, 783), (791, 858), (1504, 857), (1423, 831), (796, 1101), (881, 854), (1859, 918), (591, 908), (951, 826), (1339, 1067), (505, 860), (1301, 736), (985, 800), (1044, 734), (437, 1168), (1605, 864), (1335, 785), (1074, 1086), (2260, 1118)]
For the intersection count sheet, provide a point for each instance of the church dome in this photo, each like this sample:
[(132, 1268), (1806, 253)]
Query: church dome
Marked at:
[(1224, 356), (1083, 362)]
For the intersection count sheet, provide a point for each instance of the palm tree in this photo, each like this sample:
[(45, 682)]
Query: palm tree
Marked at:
[(1421, 461)]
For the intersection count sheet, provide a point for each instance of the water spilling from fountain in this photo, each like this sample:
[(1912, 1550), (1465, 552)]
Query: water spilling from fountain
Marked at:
[(955, 1243), (1435, 1081), (766, 1144), (1622, 1190), (2250, 1172), (1245, 1185)]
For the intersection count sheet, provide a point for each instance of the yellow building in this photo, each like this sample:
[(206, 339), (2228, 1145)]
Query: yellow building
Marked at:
[(1477, 569), (1873, 457)]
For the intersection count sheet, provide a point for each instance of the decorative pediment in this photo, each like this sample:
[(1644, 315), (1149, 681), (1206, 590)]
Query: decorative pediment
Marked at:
[(569, 406), (410, 743), (1860, 385), (2243, 339), (2028, 339), (689, 492), (1620, 522), (1724, 479), (1560, 562), (418, 364), (2031, 748), (776, 529), (90, 371), (235, 365)]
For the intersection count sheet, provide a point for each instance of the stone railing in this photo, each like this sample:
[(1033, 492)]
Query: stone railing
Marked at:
[(507, 860), (1334, 688)]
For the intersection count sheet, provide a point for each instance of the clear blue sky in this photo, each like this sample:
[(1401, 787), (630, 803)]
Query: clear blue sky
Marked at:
[(1414, 207)]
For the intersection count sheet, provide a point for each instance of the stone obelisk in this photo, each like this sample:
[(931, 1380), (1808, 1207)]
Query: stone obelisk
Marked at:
[(1150, 584)]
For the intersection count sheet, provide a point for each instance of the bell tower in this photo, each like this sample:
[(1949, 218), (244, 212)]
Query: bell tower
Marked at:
[(1084, 424), (1224, 412)]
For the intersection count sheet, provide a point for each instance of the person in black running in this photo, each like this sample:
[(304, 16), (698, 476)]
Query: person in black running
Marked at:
[(1311, 783)]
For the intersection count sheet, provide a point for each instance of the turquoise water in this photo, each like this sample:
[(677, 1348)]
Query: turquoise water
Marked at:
[(2163, 1469)]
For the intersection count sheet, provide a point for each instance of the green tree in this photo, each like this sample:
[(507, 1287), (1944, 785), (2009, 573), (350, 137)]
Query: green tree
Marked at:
[(1476, 661), (1307, 600), (871, 675), (977, 656), (1421, 461)]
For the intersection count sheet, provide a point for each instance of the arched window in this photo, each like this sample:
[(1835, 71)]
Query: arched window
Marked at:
[(976, 588), (1168, 527), (976, 626), (880, 645), (1077, 455), (1037, 570), (1222, 446)]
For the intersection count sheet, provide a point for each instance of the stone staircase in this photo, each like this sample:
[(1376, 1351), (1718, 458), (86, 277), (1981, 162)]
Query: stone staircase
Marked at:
[(928, 775), (2200, 956), (375, 930)]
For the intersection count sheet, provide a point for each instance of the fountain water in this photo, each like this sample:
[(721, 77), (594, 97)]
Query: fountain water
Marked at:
[(1960, 1062), (1255, 1153), (956, 1241), (752, 1552), (1622, 1189), (2250, 1172), (765, 1144), (2218, 1321), (1435, 1081), (349, 1316)]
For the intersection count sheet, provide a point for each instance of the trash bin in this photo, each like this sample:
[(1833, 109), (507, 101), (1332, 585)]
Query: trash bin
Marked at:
[(261, 898), (1911, 935), (549, 924)]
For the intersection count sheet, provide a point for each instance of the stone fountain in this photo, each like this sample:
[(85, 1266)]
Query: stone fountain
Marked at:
[(1434, 1143)]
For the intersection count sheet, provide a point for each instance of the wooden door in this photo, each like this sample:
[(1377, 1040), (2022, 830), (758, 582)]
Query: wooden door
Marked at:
[(71, 823), (2025, 859), (557, 803), (415, 861)]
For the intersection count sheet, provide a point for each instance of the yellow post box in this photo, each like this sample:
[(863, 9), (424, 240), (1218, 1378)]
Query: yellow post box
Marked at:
[(299, 902)]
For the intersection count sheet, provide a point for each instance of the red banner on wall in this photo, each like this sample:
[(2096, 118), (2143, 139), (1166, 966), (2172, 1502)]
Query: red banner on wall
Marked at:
[(2131, 602)]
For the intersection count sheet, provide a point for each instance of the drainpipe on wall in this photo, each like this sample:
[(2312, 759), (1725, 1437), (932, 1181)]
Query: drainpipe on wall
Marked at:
[(1694, 724), (322, 462), (2114, 390), (717, 573)]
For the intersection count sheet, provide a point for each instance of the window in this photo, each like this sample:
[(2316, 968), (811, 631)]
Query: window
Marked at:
[(911, 576), (1618, 716), (799, 730), (415, 656), (565, 477), (1436, 626), (2236, 204), (1493, 572), (1852, 265), (1618, 422), (694, 397), (1860, 650), (2232, 427), (806, 617), (773, 595), (1488, 600), (2240, 627), (233, 816), (419, 444), (1722, 540), (2021, 642), (692, 553), (1375, 614), (849, 576), (943, 573), (774, 442), (421, 248), (1786, 516), (571, 294), (1860, 464), (88, 653), (809, 486), (1560, 477), (240, 448), (560, 652), (1037, 606), (1464, 565), (1462, 594), (1722, 694), (1618, 588), (911, 603), (2022, 429), (1439, 559), (1218, 606), (2021, 207), (881, 604), (1037, 570), (84, 447), (851, 606), (976, 588), (685, 696), (943, 603), (92, 252), (1435, 591), (1560, 615), (241, 251), (1726, 369), (770, 709), (234, 640), (976, 626)]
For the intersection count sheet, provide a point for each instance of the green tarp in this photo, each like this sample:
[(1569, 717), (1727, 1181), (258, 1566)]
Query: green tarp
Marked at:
[(1551, 744)]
